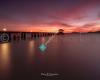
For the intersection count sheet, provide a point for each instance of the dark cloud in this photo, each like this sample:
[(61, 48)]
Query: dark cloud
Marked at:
[(57, 23)]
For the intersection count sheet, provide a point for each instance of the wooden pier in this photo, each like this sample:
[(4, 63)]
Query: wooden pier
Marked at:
[(9, 36)]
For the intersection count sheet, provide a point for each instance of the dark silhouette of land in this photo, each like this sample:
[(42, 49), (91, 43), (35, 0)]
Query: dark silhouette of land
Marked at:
[(60, 32)]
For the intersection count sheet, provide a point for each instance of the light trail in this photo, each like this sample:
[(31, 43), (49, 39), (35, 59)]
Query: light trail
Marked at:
[(43, 47), (50, 39)]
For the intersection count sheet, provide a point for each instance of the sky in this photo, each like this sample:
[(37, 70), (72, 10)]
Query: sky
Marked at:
[(50, 15)]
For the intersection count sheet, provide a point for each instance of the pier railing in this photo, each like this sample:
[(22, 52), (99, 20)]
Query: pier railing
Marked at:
[(9, 36)]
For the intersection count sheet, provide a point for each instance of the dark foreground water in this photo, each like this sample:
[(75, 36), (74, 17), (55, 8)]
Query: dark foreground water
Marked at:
[(67, 57)]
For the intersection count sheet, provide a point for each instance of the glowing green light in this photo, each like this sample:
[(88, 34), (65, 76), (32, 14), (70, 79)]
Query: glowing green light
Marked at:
[(42, 47)]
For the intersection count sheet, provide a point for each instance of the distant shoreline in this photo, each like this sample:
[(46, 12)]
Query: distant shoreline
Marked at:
[(47, 32)]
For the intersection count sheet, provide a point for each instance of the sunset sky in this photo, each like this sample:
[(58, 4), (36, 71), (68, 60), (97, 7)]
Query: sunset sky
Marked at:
[(50, 15)]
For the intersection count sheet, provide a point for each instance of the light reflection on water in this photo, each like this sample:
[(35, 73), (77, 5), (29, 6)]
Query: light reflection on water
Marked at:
[(31, 49), (5, 59), (43, 40), (31, 46), (65, 55)]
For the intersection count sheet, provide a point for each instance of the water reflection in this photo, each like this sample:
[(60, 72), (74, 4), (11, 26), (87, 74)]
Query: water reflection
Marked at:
[(65, 55), (31, 48), (5, 62), (43, 40)]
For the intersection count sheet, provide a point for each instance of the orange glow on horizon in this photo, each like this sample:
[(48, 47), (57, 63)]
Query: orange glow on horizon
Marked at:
[(54, 29)]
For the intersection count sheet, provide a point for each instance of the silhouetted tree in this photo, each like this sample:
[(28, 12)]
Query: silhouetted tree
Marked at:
[(60, 31)]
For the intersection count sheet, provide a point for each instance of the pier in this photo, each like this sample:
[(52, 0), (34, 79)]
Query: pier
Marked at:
[(9, 36)]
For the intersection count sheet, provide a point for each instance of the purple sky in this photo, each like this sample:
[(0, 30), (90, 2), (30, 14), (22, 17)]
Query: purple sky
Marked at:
[(19, 14)]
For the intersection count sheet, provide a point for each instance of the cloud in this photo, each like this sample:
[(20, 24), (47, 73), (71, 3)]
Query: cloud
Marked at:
[(60, 13), (59, 24)]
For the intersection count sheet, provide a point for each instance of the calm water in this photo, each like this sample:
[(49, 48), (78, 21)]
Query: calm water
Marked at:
[(67, 57)]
